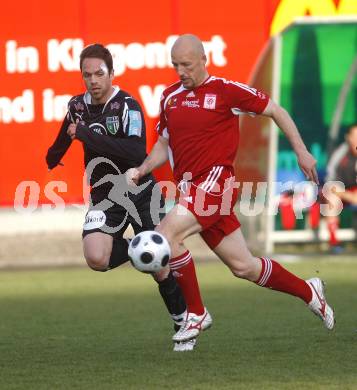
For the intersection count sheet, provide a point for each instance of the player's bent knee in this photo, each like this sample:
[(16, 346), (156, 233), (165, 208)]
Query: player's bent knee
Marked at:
[(97, 262), (242, 271)]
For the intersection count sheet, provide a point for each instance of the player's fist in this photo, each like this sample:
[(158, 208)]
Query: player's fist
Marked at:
[(132, 176), (72, 128), (71, 131)]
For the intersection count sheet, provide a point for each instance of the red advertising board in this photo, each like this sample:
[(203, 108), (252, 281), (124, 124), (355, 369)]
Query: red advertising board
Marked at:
[(40, 42)]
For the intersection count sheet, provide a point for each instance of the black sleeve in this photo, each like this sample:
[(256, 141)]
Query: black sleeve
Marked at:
[(130, 148), (60, 146)]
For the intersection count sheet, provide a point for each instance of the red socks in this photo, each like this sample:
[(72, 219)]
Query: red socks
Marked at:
[(184, 272), (273, 276), (314, 215), (276, 277), (332, 228), (288, 218)]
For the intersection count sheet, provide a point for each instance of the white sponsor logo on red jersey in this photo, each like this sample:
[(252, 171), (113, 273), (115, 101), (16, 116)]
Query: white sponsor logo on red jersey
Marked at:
[(210, 101), (191, 103)]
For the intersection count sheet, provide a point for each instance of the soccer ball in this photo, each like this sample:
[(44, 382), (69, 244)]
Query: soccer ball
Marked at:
[(149, 251)]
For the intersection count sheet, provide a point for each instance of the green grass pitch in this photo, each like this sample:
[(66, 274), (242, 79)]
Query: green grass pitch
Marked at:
[(77, 329)]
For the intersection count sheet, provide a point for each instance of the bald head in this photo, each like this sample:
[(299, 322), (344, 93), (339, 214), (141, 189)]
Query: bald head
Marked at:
[(189, 60), (188, 42)]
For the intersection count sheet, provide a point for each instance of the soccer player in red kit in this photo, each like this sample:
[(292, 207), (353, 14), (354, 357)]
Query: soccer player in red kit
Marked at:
[(198, 132)]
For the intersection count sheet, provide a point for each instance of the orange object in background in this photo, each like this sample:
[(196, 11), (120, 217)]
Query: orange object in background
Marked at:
[(37, 70), (40, 43)]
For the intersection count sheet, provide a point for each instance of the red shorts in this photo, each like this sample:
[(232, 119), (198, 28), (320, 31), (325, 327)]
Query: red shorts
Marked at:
[(211, 198)]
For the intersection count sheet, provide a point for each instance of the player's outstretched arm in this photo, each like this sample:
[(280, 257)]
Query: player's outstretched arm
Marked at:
[(157, 157), (284, 121), (60, 146)]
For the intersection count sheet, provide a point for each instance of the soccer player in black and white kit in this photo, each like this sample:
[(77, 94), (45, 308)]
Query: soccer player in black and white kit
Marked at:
[(110, 125)]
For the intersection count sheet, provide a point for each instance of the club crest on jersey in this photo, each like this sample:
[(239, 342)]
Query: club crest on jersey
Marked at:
[(210, 101), (172, 102), (112, 123)]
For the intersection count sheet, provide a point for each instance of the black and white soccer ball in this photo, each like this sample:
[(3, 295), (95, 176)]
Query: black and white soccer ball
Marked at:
[(149, 251)]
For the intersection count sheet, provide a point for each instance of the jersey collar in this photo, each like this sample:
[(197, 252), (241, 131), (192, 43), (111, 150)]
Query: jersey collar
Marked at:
[(88, 98), (208, 79)]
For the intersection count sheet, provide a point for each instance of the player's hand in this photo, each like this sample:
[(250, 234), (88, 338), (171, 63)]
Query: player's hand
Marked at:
[(72, 128), (71, 131), (307, 164), (132, 176)]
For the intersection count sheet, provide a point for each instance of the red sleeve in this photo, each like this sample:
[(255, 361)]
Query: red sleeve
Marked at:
[(245, 98), (161, 126)]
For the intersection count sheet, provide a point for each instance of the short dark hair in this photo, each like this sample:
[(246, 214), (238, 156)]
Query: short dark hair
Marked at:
[(97, 50)]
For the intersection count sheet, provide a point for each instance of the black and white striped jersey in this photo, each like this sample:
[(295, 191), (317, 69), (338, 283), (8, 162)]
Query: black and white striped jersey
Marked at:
[(112, 131)]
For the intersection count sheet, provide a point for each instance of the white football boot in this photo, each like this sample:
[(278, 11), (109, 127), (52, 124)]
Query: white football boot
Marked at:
[(183, 346), (192, 326), (318, 304)]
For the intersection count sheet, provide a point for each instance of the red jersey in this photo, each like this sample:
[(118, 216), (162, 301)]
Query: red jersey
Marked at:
[(202, 124)]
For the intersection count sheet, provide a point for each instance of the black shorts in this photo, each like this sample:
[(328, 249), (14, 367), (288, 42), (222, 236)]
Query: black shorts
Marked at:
[(142, 212)]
